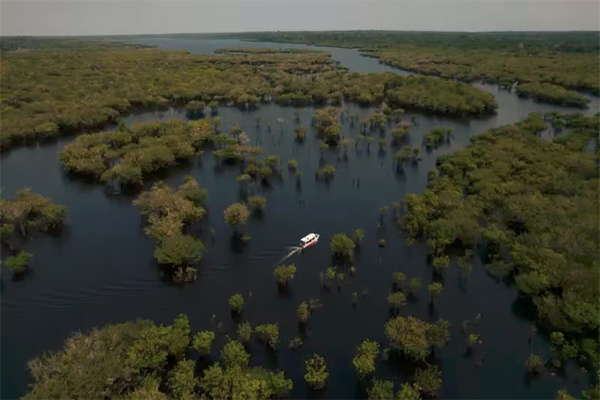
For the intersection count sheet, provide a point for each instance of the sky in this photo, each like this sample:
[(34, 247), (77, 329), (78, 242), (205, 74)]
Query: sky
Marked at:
[(108, 17)]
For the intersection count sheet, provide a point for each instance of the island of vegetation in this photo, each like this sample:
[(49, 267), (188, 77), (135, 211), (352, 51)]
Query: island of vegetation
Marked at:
[(531, 208), (20, 218), (56, 90), (548, 66)]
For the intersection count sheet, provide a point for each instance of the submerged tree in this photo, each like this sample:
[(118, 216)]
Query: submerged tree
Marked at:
[(364, 361), (284, 273), (342, 246), (316, 372), (236, 302), (257, 203), (235, 215), (203, 342), (268, 333), (303, 312)]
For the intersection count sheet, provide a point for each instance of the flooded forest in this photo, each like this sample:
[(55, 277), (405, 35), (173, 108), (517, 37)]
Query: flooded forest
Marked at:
[(155, 190)]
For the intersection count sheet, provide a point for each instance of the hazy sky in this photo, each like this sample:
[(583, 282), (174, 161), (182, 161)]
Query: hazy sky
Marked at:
[(93, 17)]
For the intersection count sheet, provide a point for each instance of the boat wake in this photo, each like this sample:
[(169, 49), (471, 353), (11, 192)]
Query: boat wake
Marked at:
[(293, 250)]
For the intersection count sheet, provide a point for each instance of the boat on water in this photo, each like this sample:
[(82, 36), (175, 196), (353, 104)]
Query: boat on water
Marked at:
[(309, 240)]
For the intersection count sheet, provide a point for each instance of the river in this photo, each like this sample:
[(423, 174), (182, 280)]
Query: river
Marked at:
[(100, 269)]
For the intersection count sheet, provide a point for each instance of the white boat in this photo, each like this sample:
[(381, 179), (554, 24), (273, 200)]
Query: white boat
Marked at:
[(309, 240)]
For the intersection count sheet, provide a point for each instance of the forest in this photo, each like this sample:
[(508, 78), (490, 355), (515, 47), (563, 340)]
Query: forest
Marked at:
[(66, 90), (529, 207), (553, 64)]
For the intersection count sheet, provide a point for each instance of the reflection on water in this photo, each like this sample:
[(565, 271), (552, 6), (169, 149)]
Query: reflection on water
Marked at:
[(101, 269)]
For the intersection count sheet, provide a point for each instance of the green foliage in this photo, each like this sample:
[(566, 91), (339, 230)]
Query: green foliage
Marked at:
[(236, 214), (364, 361), (358, 236), (327, 124), (203, 342), (409, 392), (414, 285), (342, 246), (300, 133), (244, 331), (190, 190), (233, 354), (257, 202), (27, 212), (295, 342), (326, 172), (550, 93), (435, 289), (399, 278), (316, 372), (243, 383), (106, 362), (429, 380), (18, 263), (533, 362), (182, 381), (437, 136), (396, 300), (303, 312), (236, 302), (179, 251), (292, 164), (284, 273), (382, 390), (533, 204), (268, 333), (414, 337)]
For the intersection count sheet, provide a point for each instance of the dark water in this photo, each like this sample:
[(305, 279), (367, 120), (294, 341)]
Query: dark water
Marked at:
[(101, 269)]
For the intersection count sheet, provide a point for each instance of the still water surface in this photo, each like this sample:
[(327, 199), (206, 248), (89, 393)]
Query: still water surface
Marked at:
[(101, 269)]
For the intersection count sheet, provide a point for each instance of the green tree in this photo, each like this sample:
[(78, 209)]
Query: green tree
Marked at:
[(268, 333), (381, 390), (292, 164), (414, 285), (18, 263), (203, 342), (236, 214), (179, 251), (244, 331), (257, 202), (399, 278), (233, 354), (409, 392), (435, 289), (414, 337), (396, 300), (236, 302), (358, 236), (429, 380), (342, 246), (284, 273), (316, 372), (303, 312), (364, 361), (182, 381), (533, 363), (190, 190)]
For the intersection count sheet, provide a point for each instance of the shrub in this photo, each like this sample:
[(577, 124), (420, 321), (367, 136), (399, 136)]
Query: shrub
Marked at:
[(18, 263), (342, 246), (399, 278), (268, 333), (236, 302), (396, 300), (244, 331), (303, 312), (233, 354), (203, 342), (533, 362), (429, 380), (364, 361), (236, 214), (257, 202), (316, 372), (292, 164), (284, 273)]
